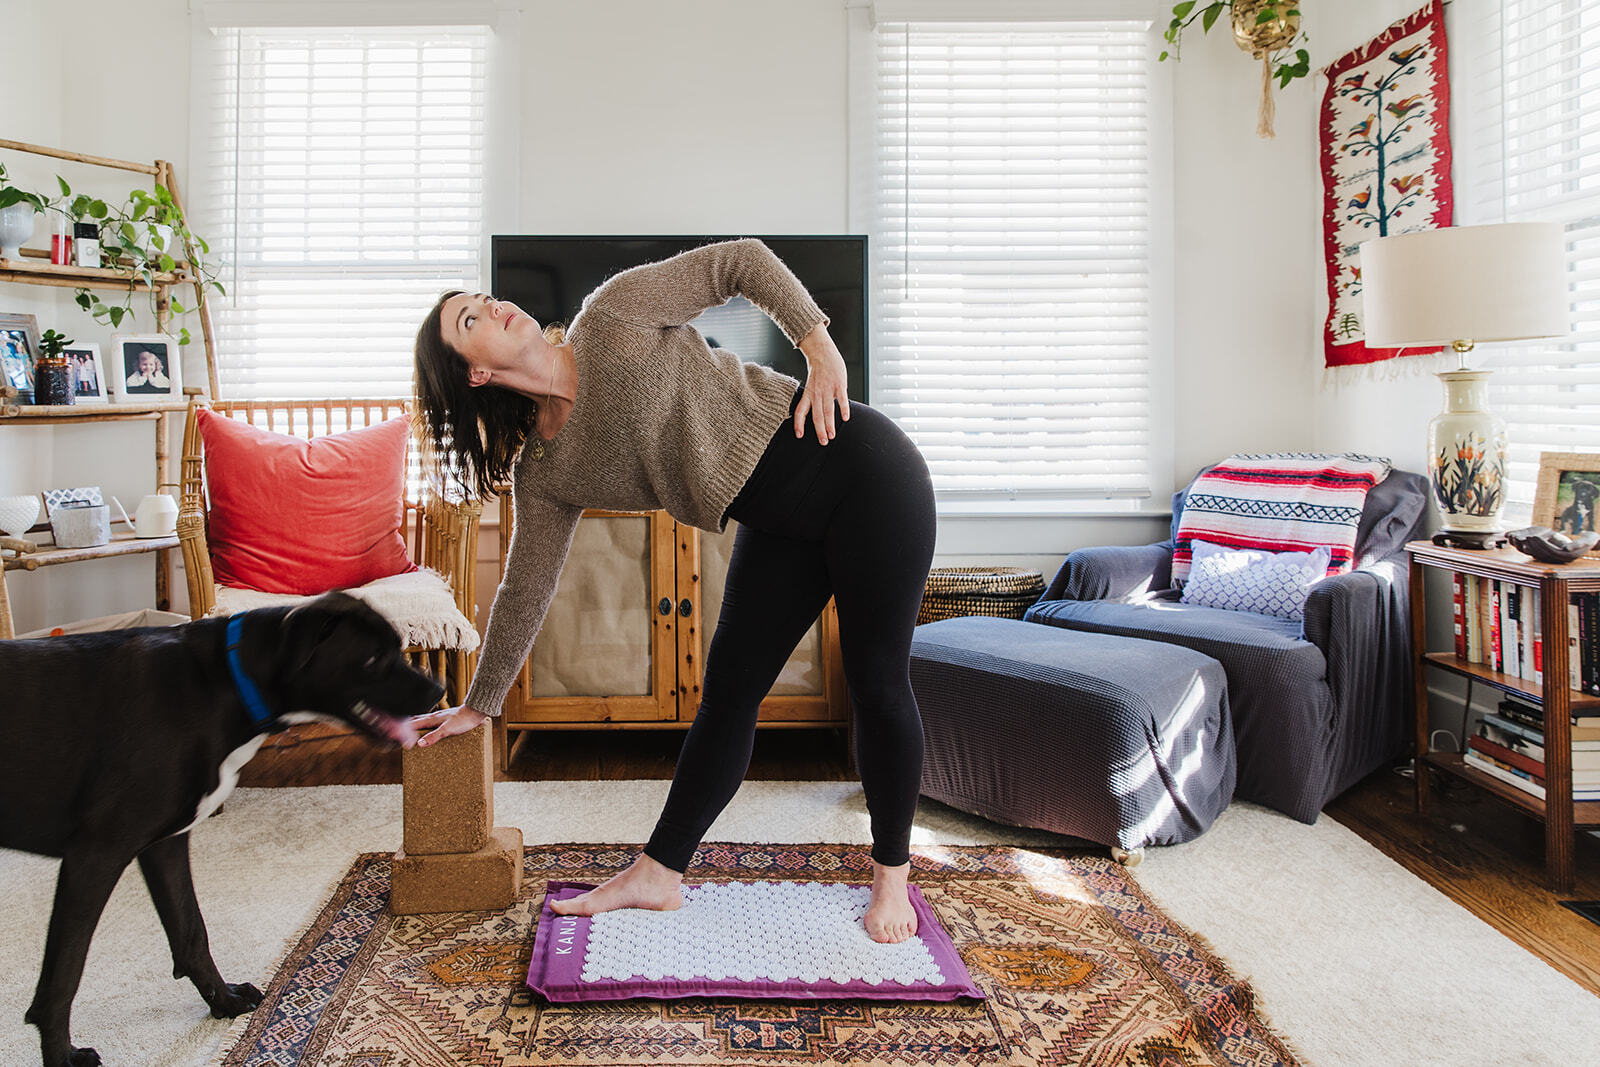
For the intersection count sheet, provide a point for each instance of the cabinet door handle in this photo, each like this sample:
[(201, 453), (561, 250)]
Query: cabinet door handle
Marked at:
[(665, 607), (685, 607)]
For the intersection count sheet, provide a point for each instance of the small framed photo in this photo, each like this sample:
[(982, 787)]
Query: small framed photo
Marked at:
[(88, 373), (1569, 492), (19, 347), (145, 368)]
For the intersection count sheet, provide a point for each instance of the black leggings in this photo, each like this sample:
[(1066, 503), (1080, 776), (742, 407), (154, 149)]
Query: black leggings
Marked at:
[(855, 520)]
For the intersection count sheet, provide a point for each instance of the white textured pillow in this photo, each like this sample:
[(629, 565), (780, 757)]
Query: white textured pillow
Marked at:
[(1269, 583)]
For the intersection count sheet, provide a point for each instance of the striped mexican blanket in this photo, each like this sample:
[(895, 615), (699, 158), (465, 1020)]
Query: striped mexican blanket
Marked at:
[(1279, 502)]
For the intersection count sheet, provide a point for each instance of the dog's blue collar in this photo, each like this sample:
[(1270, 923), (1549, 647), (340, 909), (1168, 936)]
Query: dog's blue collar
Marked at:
[(248, 692)]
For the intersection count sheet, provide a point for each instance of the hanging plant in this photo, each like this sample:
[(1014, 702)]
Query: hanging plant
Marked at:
[(1267, 29)]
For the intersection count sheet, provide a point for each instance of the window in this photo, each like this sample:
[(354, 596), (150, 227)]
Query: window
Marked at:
[(1012, 178), (342, 173), (1527, 122)]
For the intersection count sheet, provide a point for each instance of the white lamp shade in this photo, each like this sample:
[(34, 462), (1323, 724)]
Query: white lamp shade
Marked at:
[(1505, 282)]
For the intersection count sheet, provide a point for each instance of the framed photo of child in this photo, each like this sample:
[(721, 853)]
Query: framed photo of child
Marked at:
[(145, 369), (88, 373), (19, 347), (1568, 494)]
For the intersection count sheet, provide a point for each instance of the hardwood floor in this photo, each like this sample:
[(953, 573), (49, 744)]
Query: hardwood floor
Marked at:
[(1482, 854)]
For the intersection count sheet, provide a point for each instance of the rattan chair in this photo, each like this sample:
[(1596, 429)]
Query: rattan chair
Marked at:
[(442, 535)]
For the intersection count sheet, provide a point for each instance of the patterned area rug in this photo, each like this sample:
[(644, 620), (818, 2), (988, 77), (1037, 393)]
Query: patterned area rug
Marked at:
[(1079, 966)]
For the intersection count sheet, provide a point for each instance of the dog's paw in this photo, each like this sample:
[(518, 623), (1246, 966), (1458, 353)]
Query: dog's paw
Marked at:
[(236, 1001), (83, 1057)]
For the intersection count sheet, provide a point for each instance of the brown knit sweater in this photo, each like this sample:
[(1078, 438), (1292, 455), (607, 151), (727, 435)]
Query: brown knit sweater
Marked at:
[(661, 420)]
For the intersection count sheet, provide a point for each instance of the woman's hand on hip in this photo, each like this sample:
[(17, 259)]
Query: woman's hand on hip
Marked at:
[(447, 723), (826, 386)]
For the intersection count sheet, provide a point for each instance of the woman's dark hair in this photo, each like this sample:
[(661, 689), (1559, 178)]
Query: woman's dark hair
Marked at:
[(471, 436)]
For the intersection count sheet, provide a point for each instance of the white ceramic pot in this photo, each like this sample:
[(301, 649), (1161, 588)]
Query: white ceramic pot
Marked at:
[(1467, 455), (16, 226), (18, 514)]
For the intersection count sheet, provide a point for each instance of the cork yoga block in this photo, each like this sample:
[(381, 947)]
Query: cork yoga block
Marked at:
[(486, 880), (449, 794)]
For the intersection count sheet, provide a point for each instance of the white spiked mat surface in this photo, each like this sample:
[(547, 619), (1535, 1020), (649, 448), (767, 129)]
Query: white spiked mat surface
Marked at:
[(755, 931)]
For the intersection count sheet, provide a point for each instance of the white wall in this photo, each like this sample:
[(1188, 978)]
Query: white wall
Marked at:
[(726, 115)]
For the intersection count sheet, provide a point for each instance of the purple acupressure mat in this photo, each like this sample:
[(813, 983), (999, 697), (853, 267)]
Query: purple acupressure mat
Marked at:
[(792, 940)]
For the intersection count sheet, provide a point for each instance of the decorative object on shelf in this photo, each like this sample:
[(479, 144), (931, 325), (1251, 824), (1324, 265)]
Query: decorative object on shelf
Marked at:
[(1266, 29), (79, 517), (18, 513), (61, 242), (1460, 285), (156, 516), (1551, 546), (17, 210), (88, 371), (19, 347), (145, 367), (1568, 493), (1385, 162), (85, 245), (56, 498), (54, 377), (16, 226)]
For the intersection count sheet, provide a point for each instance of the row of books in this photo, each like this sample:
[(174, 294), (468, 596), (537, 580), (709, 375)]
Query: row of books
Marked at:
[(1509, 745), (1501, 626)]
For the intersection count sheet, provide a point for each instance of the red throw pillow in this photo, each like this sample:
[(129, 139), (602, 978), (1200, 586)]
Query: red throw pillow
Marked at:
[(303, 517)]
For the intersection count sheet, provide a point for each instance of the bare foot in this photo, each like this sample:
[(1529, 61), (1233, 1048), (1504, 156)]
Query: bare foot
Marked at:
[(890, 918), (646, 884)]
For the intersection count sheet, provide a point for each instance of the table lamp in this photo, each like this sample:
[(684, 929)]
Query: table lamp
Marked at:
[(1457, 286)]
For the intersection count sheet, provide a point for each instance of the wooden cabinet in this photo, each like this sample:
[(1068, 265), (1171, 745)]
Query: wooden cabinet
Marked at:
[(624, 644), (1556, 810)]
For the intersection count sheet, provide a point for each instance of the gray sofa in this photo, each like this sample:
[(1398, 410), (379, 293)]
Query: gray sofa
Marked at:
[(1316, 705)]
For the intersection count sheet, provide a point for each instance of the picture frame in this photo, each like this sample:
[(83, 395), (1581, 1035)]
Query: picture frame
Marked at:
[(19, 348), (88, 373), (145, 368), (1568, 493)]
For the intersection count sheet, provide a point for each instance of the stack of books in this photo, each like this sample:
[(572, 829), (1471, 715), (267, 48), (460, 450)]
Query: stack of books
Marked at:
[(1500, 626), (1510, 746)]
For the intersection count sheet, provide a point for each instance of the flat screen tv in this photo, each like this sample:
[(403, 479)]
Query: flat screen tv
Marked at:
[(548, 277)]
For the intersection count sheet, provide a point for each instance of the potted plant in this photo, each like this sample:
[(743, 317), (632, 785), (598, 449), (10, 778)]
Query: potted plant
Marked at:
[(17, 208), (53, 382), (1267, 29)]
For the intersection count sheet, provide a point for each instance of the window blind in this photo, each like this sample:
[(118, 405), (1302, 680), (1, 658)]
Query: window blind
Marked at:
[(1531, 115), (1011, 235), (344, 188)]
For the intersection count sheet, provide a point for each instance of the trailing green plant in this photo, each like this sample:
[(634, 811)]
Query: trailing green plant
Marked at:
[(52, 344), (144, 237), (1284, 69)]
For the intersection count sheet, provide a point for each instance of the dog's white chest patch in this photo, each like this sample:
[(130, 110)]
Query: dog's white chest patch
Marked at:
[(227, 778)]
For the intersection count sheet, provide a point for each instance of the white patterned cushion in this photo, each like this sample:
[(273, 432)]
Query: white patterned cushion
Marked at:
[(1268, 583)]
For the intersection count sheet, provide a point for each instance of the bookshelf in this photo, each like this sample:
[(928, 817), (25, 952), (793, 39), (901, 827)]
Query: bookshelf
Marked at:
[(33, 267), (1556, 583)]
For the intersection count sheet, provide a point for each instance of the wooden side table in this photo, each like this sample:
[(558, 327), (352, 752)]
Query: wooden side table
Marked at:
[(1560, 814)]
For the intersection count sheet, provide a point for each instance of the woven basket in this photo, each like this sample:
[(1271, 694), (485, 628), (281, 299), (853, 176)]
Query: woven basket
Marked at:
[(1004, 592)]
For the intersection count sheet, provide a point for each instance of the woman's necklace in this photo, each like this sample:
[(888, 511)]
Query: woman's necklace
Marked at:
[(549, 387)]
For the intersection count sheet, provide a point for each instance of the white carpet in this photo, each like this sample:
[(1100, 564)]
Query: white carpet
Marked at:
[(1357, 962)]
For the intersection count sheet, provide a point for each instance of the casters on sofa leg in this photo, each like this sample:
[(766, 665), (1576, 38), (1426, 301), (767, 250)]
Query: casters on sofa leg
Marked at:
[(1126, 858)]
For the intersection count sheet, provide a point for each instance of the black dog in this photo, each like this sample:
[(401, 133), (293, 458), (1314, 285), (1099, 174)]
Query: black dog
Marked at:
[(1579, 516), (120, 742)]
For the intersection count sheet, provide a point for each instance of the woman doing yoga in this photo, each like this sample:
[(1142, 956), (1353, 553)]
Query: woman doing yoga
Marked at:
[(632, 410)]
